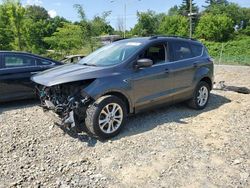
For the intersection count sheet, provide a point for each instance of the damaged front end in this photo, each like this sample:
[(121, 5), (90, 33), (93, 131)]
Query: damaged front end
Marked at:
[(68, 101)]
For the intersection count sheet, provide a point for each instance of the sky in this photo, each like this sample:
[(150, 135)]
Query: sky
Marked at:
[(65, 8)]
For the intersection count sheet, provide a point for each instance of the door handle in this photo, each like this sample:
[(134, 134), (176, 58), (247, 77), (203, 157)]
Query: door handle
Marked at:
[(166, 71)]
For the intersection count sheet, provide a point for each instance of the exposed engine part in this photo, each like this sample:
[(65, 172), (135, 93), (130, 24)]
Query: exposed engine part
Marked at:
[(68, 101)]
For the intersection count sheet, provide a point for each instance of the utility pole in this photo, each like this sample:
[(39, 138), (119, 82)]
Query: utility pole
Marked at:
[(125, 16), (190, 19), (191, 14), (125, 20)]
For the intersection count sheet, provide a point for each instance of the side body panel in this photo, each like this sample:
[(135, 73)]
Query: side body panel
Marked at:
[(15, 82)]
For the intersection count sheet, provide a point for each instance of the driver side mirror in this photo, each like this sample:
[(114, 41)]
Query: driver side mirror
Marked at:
[(141, 63)]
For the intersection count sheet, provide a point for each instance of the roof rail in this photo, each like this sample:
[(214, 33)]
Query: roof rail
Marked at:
[(175, 36)]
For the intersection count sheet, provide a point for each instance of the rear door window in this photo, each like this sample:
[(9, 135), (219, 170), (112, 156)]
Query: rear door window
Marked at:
[(12, 61), (196, 49), (181, 50)]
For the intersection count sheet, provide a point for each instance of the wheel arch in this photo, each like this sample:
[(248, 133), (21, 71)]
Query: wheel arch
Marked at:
[(123, 97), (208, 81), (204, 74)]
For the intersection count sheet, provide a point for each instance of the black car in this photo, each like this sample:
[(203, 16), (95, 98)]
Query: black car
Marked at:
[(16, 68), (127, 77)]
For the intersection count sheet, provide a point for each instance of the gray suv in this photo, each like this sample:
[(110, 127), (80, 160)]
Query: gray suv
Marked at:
[(127, 77)]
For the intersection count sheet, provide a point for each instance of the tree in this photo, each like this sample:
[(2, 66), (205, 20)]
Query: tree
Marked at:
[(246, 19), (86, 28), (36, 28), (101, 26), (148, 24), (66, 38), (232, 10), (33, 33), (184, 8), (91, 29), (215, 27), (36, 13), (211, 3), (54, 23), (16, 13), (173, 11), (6, 34), (174, 25)]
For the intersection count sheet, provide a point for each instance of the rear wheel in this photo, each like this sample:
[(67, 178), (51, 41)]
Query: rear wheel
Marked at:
[(200, 97), (105, 117)]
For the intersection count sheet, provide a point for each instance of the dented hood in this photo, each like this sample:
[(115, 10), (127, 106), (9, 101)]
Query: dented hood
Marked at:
[(69, 73)]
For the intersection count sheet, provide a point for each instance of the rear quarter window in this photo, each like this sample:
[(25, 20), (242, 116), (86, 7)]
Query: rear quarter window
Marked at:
[(196, 49), (181, 50)]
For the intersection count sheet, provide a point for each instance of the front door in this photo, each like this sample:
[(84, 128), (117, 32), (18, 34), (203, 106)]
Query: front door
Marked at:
[(153, 85)]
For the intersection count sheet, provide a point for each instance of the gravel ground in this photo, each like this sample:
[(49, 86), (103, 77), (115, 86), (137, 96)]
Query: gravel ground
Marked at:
[(168, 147)]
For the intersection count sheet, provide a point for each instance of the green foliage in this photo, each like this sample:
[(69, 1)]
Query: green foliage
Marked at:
[(36, 13), (174, 25), (101, 26), (246, 18), (184, 8), (231, 10), (16, 14), (215, 27), (233, 52), (66, 38), (147, 24), (6, 33), (173, 11), (93, 28)]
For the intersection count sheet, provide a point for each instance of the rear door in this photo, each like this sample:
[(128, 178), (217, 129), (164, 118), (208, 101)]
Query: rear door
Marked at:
[(184, 67), (15, 76)]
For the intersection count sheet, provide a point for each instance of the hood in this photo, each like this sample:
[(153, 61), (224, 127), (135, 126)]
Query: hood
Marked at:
[(69, 73)]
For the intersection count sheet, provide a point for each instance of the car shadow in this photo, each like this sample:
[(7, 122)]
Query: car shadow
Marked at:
[(163, 116), (79, 134), (15, 105), (149, 120)]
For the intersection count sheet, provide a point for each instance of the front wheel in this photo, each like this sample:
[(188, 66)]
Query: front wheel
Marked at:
[(106, 116), (200, 97)]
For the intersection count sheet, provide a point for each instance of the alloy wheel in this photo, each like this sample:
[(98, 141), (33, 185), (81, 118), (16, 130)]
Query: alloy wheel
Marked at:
[(110, 118)]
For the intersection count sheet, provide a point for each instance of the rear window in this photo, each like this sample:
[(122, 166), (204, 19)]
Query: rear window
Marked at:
[(196, 49), (181, 51)]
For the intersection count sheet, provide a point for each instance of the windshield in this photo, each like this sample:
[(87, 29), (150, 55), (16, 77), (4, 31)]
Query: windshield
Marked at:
[(112, 54)]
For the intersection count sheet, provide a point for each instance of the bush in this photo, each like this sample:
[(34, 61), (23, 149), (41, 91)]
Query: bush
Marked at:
[(214, 28), (234, 52), (174, 25)]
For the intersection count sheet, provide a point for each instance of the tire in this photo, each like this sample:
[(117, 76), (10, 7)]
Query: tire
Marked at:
[(102, 123), (194, 102)]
